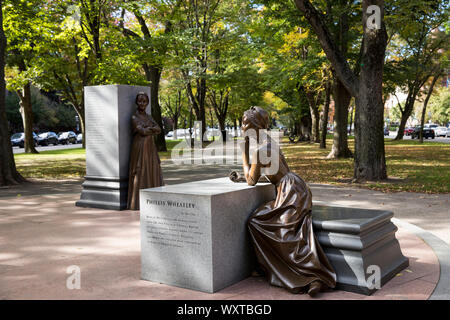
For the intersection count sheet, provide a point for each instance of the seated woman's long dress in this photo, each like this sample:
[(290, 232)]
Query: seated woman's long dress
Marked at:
[(285, 245)]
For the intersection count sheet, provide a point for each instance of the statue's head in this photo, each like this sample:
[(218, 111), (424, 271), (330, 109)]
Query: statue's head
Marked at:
[(255, 118), (142, 100)]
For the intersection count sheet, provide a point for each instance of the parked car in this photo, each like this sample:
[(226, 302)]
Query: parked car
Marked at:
[(430, 126), (427, 133), (408, 131), (18, 139), (441, 131), (386, 131), (67, 137), (80, 138), (47, 138)]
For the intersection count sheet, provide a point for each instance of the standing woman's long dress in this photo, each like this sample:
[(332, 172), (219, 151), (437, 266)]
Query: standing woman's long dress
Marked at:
[(284, 240), (145, 165)]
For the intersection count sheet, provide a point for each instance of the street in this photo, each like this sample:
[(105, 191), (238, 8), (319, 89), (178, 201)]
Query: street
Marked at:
[(393, 134), (18, 150)]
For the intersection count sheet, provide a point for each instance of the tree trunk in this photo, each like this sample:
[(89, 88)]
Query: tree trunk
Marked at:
[(220, 110), (406, 113), (351, 120), (191, 138), (197, 101), (306, 127), (8, 171), (80, 112), (425, 104), (342, 100), (326, 108), (26, 110), (175, 127), (315, 123), (153, 74), (401, 128), (201, 115), (370, 162), (313, 101), (223, 129)]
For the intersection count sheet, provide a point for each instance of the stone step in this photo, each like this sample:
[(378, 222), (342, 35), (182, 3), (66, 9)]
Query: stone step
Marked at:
[(359, 243)]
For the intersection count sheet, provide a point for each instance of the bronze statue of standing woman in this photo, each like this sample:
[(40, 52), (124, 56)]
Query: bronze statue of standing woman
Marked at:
[(145, 165), (282, 229)]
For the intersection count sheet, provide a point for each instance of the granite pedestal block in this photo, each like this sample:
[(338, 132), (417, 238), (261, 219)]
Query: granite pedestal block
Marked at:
[(108, 111), (356, 241), (194, 235)]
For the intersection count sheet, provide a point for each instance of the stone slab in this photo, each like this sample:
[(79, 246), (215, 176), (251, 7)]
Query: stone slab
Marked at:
[(108, 111), (357, 241), (194, 235)]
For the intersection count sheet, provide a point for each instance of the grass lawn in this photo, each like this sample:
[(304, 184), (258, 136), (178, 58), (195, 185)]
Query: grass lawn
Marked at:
[(411, 166), (66, 163)]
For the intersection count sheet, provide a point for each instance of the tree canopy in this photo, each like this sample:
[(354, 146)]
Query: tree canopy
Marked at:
[(210, 60)]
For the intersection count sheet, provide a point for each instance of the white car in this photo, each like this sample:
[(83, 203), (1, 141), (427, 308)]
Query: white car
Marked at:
[(441, 131)]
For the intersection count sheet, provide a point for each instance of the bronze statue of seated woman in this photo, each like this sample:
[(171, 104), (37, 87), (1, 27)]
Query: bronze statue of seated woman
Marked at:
[(281, 230)]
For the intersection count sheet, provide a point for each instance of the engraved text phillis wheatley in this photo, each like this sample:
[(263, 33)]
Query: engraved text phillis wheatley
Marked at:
[(179, 230)]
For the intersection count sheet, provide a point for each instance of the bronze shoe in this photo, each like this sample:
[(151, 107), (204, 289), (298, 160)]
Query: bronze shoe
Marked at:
[(314, 288)]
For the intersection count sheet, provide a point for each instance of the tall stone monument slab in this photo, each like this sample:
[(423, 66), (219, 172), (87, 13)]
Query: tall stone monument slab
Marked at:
[(108, 111)]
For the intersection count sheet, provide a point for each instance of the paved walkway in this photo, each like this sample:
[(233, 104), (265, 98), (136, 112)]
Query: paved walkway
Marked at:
[(41, 236), (428, 211), (42, 233)]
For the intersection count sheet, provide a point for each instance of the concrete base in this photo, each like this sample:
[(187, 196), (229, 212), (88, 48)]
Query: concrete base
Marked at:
[(104, 193), (359, 244)]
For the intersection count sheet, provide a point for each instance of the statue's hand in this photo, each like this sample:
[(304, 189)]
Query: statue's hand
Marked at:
[(237, 177), (233, 176)]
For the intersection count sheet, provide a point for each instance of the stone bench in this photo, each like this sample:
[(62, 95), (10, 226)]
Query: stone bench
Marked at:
[(356, 241), (194, 235)]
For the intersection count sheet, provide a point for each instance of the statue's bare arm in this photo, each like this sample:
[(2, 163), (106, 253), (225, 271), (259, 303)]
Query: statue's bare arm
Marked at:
[(252, 171)]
